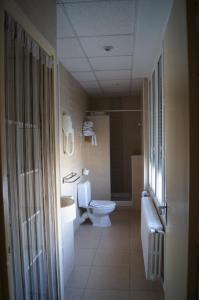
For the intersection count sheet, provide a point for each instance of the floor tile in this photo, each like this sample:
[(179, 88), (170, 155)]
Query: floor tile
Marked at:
[(146, 295), (116, 232), (90, 230), (106, 257), (73, 294), (137, 261), (109, 262), (137, 274), (87, 242), (136, 244), (84, 257), (140, 283), (79, 277), (113, 243), (136, 229), (125, 221), (109, 278), (105, 295)]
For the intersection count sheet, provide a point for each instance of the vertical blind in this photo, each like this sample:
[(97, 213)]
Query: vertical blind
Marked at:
[(30, 164)]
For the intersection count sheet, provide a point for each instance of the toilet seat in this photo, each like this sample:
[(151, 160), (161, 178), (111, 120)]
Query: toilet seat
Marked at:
[(102, 203)]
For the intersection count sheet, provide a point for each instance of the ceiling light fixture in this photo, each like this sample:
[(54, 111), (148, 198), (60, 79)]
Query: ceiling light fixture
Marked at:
[(108, 48)]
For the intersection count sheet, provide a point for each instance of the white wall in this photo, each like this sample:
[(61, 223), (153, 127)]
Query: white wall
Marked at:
[(67, 247)]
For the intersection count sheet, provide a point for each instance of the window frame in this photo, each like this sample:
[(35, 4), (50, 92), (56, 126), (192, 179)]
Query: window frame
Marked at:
[(157, 135)]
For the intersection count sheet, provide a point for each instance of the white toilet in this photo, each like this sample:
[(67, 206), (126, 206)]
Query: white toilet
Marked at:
[(97, 210)]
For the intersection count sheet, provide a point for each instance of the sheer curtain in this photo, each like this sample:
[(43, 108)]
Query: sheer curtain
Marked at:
[(30, 164)]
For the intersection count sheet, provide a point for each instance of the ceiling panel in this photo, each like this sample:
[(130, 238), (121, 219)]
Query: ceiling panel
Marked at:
[(69, 48), (102, 18), (76, 64), (94, 46), (90, 84), (111, 75), (111, 63), (114, 83), (84, 76), (64, 29), (152, 18), (134, 28)]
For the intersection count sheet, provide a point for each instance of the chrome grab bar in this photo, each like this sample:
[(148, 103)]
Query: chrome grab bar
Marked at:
[(66, 179)]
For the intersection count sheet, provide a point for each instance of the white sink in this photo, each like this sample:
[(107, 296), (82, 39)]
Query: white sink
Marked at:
[(68, 209)]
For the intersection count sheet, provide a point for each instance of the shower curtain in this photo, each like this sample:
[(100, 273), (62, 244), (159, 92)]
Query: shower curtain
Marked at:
[(31, 175)]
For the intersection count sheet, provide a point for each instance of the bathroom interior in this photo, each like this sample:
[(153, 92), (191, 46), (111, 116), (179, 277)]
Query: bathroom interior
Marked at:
[(98, 176), (112, 163)]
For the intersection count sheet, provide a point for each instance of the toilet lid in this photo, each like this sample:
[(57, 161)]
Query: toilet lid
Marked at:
[(102, 203)]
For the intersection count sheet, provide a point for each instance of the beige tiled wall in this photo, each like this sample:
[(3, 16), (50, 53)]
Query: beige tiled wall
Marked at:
[(131, 102), (97, 159), (74, 103)]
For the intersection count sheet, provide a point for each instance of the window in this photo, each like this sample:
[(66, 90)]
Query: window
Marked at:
[(156, 134)]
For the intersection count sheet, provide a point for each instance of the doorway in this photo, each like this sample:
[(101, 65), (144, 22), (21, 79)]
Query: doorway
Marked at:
[(30, 165)]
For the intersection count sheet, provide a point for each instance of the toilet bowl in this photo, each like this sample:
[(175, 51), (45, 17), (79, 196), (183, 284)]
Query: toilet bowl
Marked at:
[(96, 210)]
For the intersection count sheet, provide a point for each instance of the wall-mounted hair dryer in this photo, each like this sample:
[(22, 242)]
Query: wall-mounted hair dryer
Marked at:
[(68, 135)]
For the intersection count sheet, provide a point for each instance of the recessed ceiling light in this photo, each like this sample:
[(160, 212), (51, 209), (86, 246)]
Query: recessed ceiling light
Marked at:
[(108, 48)]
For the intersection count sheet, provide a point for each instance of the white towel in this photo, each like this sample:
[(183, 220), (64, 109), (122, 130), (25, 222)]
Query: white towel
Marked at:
[(88, 130), (87, 124), (94, 140)]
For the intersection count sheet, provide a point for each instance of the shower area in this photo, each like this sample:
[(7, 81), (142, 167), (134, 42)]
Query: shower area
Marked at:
[(118, 124), (125, 143)]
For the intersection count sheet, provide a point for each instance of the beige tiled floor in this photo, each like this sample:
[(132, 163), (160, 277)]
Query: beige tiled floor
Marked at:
[(109, 263)]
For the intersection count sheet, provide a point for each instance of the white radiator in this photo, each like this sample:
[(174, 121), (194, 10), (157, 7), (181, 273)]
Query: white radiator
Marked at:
[(152, 239)]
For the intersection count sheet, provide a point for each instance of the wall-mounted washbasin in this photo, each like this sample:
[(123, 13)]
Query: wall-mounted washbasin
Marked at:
[(68, 209)]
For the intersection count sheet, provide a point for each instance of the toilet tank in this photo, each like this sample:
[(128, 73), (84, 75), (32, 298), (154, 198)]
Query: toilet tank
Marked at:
[(84, 193)]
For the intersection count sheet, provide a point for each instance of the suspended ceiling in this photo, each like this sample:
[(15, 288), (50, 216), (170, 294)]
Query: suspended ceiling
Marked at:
[(131, 30)]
